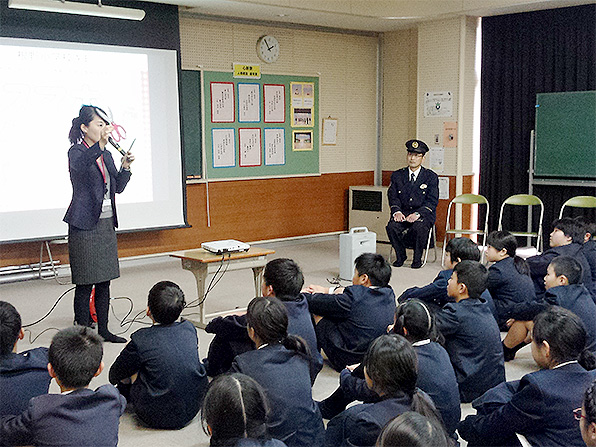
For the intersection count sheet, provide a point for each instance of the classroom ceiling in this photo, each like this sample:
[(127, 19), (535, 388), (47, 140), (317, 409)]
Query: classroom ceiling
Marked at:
[(361, 15)]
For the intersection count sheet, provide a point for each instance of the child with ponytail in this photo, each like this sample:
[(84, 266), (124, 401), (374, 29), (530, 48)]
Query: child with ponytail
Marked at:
[(390, 369), (281, 365), (540, 406), (235, 413)]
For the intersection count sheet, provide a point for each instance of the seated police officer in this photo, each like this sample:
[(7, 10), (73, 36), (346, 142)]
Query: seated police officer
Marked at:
[(413, 197)]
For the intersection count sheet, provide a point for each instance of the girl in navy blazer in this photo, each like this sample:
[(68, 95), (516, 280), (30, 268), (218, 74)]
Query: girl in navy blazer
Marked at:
[(540, 406), (509, 281), (414, 430), (390, 370), (91, 216), (281, 365), (235, 413)]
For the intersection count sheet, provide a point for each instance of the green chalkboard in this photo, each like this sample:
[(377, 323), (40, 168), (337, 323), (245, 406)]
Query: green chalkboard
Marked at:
[(268, 161), (566, 135), (190, 83)]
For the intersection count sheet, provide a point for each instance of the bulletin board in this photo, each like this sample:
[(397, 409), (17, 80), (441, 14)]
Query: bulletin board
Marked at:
[(259, 128)]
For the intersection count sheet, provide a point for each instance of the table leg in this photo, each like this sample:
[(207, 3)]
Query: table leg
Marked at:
[(199, 270), (258, 277)]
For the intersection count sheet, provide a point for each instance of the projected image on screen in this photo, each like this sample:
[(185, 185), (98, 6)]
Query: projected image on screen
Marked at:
[(42, 87)]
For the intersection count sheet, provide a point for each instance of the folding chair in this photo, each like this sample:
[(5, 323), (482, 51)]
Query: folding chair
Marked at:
[(466, 199), (579, 202), (432, 236), (529, 201)]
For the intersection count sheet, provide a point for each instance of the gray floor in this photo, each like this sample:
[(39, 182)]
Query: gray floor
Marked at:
[(318, 257)]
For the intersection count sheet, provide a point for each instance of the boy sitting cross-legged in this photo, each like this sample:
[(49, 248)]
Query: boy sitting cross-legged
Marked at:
[(79, 415)]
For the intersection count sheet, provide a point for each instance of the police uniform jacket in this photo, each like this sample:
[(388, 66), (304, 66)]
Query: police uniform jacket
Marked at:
[(540, 408), (88, 185), (233, 330), (473, 342), (285, 375), (82, 417), (171, 380), (351, 321), (22, 376), (508, 287), (420, 197), (539, 264), (361, 424)]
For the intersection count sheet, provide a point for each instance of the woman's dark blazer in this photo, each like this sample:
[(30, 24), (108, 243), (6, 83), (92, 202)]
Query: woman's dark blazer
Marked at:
[(88, 185)]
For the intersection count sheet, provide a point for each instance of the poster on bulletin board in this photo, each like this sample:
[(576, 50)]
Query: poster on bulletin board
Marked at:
[(260, 128)]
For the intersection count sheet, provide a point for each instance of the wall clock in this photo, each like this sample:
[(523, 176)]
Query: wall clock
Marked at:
[(268, 49)]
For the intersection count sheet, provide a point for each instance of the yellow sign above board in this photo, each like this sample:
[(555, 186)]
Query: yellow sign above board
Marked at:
[(247, 71)]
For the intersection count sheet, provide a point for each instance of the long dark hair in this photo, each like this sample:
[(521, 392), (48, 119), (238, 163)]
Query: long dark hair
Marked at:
[(566, 336), (391, 364), (413, 430), (268, 317), (418, 320), (505, 240), (235, 406), (86, 115)]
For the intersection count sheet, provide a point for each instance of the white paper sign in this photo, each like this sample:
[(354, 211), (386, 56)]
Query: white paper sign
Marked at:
[(222, 102), (444, 188), (329, 131), (437, 159), (249, 142), (438, 104), (224, 148), (249, 103), (275, 147), (275, 103)]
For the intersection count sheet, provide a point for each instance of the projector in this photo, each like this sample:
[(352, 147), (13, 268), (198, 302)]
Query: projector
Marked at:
[(227, 246)]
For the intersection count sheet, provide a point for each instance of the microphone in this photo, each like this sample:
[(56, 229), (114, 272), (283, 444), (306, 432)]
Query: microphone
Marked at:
[(117, 146)]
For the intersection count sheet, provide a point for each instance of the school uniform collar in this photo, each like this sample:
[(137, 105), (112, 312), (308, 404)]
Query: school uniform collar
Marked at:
[(416, 173), (565, 364), (421, 342)]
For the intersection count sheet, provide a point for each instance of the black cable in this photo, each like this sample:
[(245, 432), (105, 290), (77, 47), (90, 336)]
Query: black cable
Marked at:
[(32, 340), (50, 311), (211, 283)]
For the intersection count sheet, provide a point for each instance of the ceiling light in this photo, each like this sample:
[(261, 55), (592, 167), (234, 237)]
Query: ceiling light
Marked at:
[(86, 9)]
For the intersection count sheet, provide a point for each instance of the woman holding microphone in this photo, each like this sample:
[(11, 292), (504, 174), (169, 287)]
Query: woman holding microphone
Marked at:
[(91, 216)]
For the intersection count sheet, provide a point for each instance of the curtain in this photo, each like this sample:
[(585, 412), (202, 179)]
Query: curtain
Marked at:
[(522, 55)]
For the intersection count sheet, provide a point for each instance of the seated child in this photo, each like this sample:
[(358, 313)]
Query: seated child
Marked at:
[(587, 416), (281, 365), (589, 244), (24, 375), (509, 281), (539, 406), (169, 380), (282, 279), (563, 288), (413, 430), (390, 370), (416, 323), (78, 416), (352, 317), (235, 413), (435, 294), (566, 239), (472, 337)]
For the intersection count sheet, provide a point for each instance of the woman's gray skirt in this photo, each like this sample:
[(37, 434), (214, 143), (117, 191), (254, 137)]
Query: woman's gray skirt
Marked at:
[(93, 253)]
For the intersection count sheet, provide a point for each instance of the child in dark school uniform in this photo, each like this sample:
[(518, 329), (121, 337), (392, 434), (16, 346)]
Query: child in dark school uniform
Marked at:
[(235, 413), (416, 323), (509, 281), (390, 370), (281, 365), (283, 279), (349, 319), (472, 337), (540, 406), (413, 430)]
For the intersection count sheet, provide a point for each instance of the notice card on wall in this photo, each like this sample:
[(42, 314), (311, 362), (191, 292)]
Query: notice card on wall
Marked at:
[(275, 103), (438, 104), (249, 143), (275, 147), (222, 102), (224, 148), (249, 103)]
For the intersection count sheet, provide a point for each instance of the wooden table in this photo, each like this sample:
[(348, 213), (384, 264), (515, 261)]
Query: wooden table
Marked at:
[(201, 262)]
